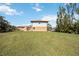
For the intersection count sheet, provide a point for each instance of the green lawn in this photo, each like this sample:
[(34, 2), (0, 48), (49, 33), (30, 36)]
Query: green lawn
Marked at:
[(39, 43)]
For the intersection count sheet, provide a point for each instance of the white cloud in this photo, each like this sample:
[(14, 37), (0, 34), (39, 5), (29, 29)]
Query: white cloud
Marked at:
[(5, 4), (8, 4), (37, 7), (8, 10), (51, 19)]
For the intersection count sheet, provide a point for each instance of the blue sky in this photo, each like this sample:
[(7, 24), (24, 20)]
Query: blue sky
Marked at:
[(23, 13)]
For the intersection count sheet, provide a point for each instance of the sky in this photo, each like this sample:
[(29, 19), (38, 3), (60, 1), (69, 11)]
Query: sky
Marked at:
[(22, 13)]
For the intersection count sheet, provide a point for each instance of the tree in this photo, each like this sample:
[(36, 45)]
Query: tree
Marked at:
[(49, 27), (5, 25), (65, 19), (76, 25), (62, 23), (77, 11)]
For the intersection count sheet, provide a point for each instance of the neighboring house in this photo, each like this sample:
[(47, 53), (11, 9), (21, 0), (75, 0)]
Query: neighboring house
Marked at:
[(24, 28), (39, 25)]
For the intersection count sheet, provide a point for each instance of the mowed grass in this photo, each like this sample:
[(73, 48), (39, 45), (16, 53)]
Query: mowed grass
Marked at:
[(39, 44)]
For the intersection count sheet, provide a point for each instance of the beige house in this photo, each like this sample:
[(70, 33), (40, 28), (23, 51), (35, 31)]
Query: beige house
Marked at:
[(39, 25)]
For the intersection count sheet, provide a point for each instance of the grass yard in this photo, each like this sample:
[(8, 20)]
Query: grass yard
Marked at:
[(39, 44)]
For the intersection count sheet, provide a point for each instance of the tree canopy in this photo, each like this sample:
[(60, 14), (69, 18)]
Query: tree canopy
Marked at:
[(66, 21), (5, 25)]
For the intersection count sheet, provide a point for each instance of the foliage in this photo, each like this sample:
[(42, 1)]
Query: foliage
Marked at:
[(76, 27), (65, 18), (5, 25), (49, 27)]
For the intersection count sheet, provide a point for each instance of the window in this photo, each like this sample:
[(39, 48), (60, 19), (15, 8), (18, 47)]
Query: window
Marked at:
[(33, 27), (39, 22)]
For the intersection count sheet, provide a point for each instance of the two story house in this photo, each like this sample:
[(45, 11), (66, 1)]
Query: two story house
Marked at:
[(39, 25)]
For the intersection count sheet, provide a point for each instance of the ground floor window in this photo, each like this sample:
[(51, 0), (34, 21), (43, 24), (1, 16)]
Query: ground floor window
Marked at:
[(33, 28)]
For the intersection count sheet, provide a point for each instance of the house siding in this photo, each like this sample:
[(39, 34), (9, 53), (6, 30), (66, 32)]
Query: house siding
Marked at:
[(36, 26), (39, 28), (39, 25)]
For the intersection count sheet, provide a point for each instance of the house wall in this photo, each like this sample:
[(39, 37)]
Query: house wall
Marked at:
[(36, 26), (39, 26), (23, 29)]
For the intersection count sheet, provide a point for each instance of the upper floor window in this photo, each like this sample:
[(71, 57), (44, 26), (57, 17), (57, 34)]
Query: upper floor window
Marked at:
[(39, 22)]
